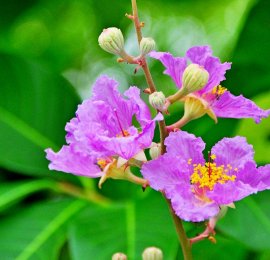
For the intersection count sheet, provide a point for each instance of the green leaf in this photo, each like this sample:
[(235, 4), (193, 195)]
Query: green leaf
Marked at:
[(128, 228), (35, 105), (37, 232), (249, 223), (250, 68), (10, 193), (224, 249)]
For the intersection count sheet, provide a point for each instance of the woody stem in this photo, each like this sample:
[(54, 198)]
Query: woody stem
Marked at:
[(184, 242)]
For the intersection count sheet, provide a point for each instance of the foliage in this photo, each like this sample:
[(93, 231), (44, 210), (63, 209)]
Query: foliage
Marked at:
[(45, 46)]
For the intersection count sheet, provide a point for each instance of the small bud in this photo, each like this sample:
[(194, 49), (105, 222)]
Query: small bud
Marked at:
[(157, 100), (152, 253), (119, 256), (112, 41), (147, 45), (155, 151), (195, 77)]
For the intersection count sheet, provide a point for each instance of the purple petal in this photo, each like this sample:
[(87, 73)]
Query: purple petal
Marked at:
[(234, 151), (105, 89), (202, 55), (185, 146), (66, 160), (190, 208), (141, 109), (164, 172), (264, 173), (175, 66), (232, 106), (199, 54), (244, 185)]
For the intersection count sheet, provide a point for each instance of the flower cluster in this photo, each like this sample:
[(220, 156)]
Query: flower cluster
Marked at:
[(198, 188), (103, 140), (209, 98)]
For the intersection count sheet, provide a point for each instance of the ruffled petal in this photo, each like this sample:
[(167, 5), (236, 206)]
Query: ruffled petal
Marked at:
[(185, 146), (190, 208), (233, 151), (199, 54), (165, 172), (175, 66), (106, 89), (141, 109), (66, 160), (264, 173), (232, 106), (246, 183), (202, 55)]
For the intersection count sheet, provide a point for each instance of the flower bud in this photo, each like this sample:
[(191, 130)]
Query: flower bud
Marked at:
[(147, 45), (195, 77), (152, 253), (112, 41), (119, 256), (157, 100), (155, 151)]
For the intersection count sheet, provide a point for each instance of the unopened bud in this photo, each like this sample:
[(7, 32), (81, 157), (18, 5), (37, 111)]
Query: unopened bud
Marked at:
[(157, 100), (152, 253), (112, 41), (119, 256), (147, 45), (195, 77), (155, 151)]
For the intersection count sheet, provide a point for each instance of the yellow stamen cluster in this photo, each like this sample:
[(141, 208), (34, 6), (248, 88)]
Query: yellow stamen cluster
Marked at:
[(218, 90), (209, 174), (124, 134), (102, 163)]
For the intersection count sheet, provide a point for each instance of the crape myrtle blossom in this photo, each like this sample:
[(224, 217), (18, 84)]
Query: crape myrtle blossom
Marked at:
[(101, 139), (212, 99), (198, 188)]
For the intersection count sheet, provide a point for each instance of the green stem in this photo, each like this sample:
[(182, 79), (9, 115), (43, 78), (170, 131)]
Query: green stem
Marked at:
[(184, 241)]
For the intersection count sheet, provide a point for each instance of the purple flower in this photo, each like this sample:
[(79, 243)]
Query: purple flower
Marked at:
[(197, 188), (103, 131), (215, 100)]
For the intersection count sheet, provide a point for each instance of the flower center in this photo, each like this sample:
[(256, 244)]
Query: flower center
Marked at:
[(208, 175), (218, 91), (102, 163), (123, 132)]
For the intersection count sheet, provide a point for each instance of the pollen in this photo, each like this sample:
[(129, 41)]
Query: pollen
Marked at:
[(124, 133), (102, 163), (209, 174), (218, 90), (189, 161)]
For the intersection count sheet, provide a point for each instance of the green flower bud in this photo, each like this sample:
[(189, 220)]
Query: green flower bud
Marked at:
[(195, 77), (119, 256), (112, 41), (157, 100), (152, 253), (147, 45), (155, 151)]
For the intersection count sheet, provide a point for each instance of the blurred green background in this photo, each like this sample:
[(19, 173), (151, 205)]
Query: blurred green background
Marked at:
[(49, 58)]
